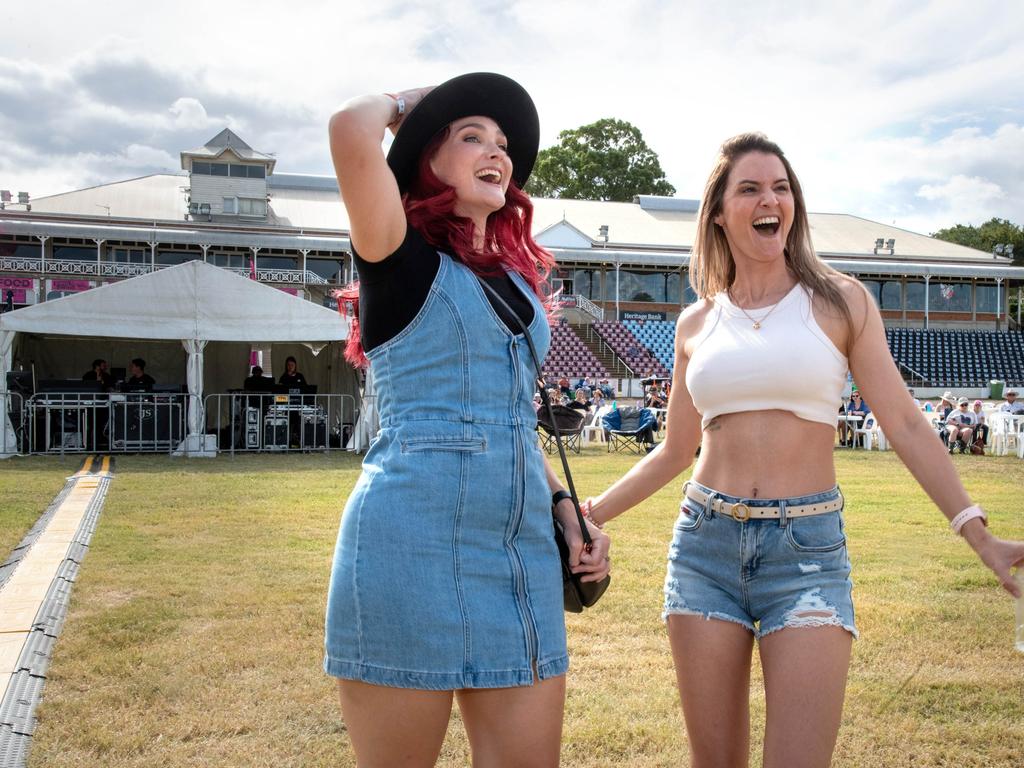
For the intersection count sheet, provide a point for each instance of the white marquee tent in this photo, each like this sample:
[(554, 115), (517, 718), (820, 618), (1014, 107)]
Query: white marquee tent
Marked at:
[(194, 304)]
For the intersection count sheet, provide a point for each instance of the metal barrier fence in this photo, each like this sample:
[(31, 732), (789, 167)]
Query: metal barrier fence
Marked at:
[(144, 422), (252, 422)]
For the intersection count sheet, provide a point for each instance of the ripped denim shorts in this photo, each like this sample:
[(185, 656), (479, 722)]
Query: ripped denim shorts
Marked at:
[(765, 574)]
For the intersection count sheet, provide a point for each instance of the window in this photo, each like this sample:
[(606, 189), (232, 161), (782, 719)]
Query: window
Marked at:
[(74, 253), (233, 170), (238, 171), (170, 258), (892, 295), (329, 269), (661, 287), (201, 168), (949, 297), (250, 206), (915, 297), (230, 205), (128, 255), (278, 262), (985, 299), (19, 250), (257, 171), (218, 169), (873, 287), (229, 260)]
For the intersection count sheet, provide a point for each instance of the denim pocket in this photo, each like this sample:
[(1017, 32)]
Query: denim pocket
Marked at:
[(691, 515), (444, 443), (817, 533)]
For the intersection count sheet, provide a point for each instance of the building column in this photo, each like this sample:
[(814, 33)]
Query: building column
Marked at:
[(305, 253), (254, 273), (99, 256), (927, 280), (206, 248), (999, 299), (152, 257)]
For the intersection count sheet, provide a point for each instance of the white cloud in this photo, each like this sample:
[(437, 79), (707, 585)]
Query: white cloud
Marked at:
[(874, 104)]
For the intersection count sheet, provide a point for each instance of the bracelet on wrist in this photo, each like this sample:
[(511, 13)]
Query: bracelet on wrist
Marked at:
[(973, 511), (586, 509), (399, 105)]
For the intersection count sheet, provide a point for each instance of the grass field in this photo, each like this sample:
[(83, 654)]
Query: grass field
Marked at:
[(27, 486), (194, 636)]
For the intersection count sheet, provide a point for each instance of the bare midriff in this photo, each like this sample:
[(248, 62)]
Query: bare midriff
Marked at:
[(766, 455)]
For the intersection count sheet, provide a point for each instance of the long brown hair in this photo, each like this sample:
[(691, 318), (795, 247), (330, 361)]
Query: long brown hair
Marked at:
[(712, 268)]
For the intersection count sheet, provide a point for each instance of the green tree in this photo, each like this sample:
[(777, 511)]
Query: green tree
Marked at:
[(985, 237), (606, 160)]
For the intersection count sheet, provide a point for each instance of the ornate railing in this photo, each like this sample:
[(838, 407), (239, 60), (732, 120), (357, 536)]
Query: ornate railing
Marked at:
[(122, 269)]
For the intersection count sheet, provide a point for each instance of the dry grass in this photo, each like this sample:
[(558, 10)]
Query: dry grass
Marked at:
[(195, 631), (27, 486)]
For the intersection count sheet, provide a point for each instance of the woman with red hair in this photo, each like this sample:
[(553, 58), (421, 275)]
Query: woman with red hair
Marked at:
[(446, 583)]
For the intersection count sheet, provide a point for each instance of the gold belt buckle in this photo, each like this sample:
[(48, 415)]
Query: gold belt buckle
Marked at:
[(735, 512)]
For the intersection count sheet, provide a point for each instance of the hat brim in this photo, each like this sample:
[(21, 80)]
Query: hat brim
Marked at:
[(479, 93)]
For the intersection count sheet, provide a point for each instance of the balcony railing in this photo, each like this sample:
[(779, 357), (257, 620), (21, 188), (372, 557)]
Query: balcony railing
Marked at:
[(122, 269)]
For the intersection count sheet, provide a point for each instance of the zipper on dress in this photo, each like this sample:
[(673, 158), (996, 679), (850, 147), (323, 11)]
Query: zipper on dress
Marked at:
[(520, 571)]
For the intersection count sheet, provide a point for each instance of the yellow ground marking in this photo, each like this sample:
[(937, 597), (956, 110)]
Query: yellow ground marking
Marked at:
[(86, 466), (106, 466)]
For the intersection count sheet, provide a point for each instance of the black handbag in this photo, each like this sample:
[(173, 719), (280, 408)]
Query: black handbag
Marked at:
[(576, 594)]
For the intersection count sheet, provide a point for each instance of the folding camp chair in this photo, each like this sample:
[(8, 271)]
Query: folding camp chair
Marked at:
[(630, 429), (570, 425)]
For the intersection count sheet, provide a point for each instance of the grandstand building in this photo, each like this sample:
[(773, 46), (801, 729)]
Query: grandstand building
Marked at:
[(623, 271)]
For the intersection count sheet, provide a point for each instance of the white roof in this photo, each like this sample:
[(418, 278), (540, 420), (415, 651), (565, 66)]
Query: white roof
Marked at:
[(193, 300), (312, 203)]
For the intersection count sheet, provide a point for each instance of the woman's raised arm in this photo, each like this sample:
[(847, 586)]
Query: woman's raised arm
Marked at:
[(368, 188)]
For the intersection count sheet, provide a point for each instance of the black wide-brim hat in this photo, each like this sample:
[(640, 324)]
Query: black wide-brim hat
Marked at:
[(480, 93)]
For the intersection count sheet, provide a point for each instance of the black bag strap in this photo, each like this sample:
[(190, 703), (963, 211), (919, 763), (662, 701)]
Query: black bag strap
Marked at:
[(547, 404)]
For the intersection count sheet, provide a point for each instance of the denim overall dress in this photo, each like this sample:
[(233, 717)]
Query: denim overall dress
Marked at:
[(446, 574)]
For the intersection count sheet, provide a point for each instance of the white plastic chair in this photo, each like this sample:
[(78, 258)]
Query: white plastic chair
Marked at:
[(594, 426), (1004, 431), (872, 434)]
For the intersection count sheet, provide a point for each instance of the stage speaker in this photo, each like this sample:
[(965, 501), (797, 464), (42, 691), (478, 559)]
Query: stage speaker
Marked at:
[(314, 434), (275, 433), (146, 425)]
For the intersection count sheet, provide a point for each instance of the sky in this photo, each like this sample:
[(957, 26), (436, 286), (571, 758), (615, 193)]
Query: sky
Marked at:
[(909, 113)]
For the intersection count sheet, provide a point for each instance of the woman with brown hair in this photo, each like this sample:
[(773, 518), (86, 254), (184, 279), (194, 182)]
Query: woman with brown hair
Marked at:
[(759, 547)]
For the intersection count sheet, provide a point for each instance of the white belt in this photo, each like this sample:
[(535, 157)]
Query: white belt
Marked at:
[(743, 512)]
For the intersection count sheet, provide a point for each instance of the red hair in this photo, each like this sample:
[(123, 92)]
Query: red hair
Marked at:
[(430, 209)]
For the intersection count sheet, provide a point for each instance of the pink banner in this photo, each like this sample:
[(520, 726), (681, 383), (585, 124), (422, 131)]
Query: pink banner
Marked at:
[(70, 286), (292, 291), (20, 288)]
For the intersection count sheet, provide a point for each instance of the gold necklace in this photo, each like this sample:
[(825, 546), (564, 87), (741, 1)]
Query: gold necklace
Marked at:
[(757, 322)]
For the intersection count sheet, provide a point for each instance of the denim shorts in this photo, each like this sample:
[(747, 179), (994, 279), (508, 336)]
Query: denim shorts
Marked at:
[(765, 575)]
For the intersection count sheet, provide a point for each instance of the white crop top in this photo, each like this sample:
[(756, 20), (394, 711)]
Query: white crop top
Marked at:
[(789, 364)]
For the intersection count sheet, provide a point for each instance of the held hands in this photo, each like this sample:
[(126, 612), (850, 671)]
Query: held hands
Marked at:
[(594, 564), (1000, 555)]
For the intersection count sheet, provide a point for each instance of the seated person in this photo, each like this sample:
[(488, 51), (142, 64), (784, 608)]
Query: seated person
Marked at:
[(257, 382), (580, 402), (856, 407), (291, 378), (606, 388), (946, 406), (960, 426), (563, 386), (597, 399), (139, 381), (100, 373), (1012, 404), (655, 398), (981, 428)]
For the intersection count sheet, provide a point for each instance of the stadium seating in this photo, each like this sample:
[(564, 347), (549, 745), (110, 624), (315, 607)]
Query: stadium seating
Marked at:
[(659, 336), (570, 357), (958, 357), (631, 350)]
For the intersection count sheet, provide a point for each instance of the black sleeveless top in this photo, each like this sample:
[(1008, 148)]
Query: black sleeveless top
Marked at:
[(392, 291)]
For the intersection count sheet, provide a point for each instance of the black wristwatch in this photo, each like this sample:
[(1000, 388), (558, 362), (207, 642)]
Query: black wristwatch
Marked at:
[(557, 496)]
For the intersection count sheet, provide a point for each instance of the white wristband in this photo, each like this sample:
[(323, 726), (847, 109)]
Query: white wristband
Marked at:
[(973, 511)]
